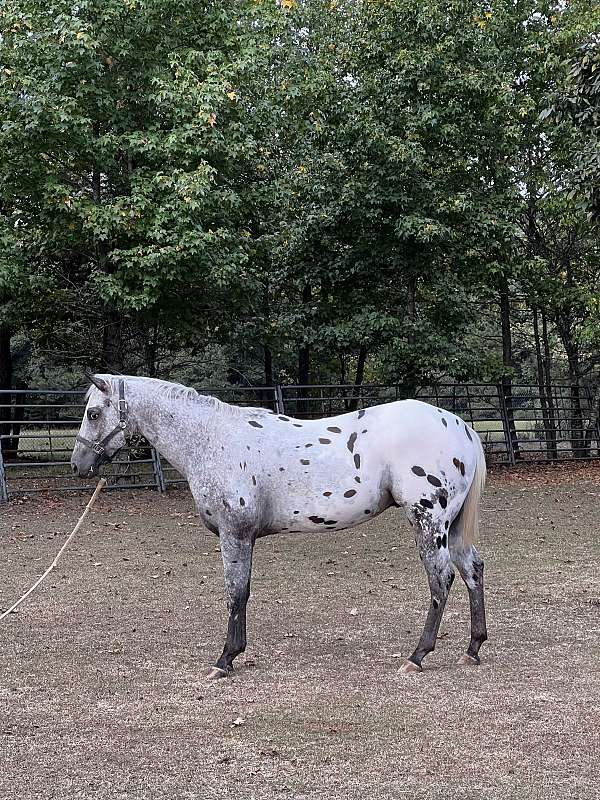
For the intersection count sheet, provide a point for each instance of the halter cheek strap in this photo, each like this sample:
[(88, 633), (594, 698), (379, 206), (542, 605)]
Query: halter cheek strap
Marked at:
[(99, 446)]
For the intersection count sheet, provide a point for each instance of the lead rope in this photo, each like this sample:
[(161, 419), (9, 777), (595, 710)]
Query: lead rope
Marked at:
[(101, 484)]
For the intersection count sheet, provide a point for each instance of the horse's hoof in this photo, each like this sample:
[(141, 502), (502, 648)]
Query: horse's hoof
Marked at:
[(472, 661), (410, 666), (216, 673)]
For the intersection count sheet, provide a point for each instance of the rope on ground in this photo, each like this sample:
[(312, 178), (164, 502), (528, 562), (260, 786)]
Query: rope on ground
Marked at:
[(97, 490)]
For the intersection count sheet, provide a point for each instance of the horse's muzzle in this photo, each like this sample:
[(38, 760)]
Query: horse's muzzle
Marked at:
[(86, 468)]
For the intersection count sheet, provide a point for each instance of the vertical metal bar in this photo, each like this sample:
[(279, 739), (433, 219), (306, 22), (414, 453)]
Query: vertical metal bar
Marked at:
[(279, 404), (3, 484), (505, 424), (159, 476), (469, 405)]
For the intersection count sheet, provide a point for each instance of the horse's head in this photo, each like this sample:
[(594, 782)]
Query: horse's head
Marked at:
[(102, 431)]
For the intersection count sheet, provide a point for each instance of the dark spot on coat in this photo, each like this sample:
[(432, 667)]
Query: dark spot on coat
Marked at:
[(304, 461), (367, 510), (254, 424), (434, 481), (444, 540), (350, 493), (317, 520), (474, 576), (331, 522), (335, 430), (443, 501), (209, 512), (357, 479), (456, 422), (297, 425), (242, 501), (296, 512), (361, 413), (365, 430), (462, 468), (254, 480), (285, 419), (446, 524), (357, 460), (444, 423), (419, 471), (326, 494), (281, 469), (426, 503), (438, 542), (456, 463), (468, 434), (350, 442), (308, 445), (324, 441)]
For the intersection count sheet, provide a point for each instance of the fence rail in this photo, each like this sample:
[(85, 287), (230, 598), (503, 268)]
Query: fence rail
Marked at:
[(516, 423)]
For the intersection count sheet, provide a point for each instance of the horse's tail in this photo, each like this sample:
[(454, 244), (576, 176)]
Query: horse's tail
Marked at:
[(469, 514)]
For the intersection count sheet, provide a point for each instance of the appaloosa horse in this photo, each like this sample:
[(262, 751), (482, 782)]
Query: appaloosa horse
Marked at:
[(254, 473)]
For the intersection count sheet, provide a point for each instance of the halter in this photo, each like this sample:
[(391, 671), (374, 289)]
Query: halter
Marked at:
[(99, 446)]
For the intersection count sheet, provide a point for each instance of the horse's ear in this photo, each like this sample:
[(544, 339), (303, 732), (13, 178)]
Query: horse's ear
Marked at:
[(99, 383)]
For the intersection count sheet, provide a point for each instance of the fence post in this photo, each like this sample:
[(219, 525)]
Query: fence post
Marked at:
[(158, 472), (279, 404), (3, 485), (505, 424)]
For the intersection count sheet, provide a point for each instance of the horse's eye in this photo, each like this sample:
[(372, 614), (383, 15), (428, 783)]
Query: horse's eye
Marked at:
[(93, 414)]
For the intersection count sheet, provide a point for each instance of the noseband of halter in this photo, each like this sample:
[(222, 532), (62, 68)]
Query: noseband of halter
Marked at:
[(99, 446)]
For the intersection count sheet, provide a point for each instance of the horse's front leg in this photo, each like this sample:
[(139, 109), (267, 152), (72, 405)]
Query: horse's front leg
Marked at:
[(236, 551)]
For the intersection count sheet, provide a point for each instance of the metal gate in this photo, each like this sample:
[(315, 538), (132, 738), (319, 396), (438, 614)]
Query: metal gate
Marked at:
[(518, 423)]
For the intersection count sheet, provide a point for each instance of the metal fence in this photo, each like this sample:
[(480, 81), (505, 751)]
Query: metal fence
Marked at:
[(516, 423)]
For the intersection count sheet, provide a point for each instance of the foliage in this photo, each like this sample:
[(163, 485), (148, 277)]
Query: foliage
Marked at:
[(252, 184)]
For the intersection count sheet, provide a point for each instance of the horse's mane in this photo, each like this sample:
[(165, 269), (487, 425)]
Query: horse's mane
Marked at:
[(177, 392)]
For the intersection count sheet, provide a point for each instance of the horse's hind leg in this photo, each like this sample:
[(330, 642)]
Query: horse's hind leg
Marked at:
[(432, 541), (470, 566), (237, 565)]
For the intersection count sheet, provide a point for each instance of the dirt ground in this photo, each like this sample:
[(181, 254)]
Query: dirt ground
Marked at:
[(101, 672)]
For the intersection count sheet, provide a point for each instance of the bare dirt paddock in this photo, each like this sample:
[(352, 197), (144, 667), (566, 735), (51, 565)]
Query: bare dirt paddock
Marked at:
[(101, 688)]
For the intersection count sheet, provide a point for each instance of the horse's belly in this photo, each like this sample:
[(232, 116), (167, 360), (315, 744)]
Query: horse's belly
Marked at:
[(333, 509)]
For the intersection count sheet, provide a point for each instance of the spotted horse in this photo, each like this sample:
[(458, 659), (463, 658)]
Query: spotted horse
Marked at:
[(254, 473)]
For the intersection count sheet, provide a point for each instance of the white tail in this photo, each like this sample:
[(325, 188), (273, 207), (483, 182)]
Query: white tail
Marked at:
[(469, 516)]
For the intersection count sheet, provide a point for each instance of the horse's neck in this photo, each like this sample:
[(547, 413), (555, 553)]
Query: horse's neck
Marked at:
[(169, 425)]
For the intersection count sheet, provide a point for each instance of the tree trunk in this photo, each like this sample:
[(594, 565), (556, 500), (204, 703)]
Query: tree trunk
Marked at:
[(151, 350), (304, 362), (18, 415), (549, 438), (6, 372), (359, 377), (507, 360), (268, 366), (547, 368), (112, 341), (577, 432), (410, 378)]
